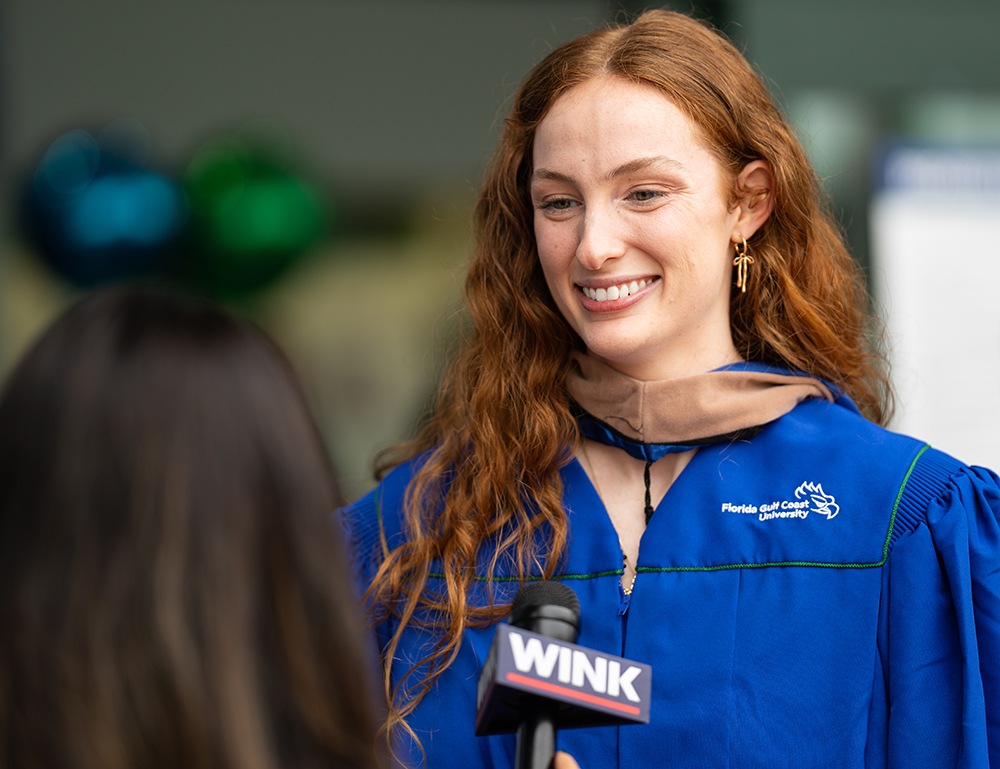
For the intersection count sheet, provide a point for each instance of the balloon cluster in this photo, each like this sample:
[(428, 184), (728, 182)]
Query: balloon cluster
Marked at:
[(233, 221)]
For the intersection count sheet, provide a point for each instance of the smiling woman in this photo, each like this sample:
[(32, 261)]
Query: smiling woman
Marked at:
[(671, 398), (626, 192)]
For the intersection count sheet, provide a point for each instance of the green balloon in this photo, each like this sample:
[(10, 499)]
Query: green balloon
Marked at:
[(252, 217)]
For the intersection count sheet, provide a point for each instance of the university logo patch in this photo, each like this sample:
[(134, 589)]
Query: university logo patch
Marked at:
[(809, 497)]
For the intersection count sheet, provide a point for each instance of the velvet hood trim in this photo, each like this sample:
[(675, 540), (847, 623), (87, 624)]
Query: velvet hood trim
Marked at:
[(685, 412)]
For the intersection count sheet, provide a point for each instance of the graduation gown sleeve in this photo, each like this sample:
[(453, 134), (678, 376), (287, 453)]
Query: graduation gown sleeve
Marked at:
[(936, 700)]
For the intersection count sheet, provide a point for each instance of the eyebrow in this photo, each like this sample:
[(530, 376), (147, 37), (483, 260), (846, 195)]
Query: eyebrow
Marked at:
[(631, 167)]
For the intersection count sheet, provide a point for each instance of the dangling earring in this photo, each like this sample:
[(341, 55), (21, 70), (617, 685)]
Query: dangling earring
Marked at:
[(740, 263)]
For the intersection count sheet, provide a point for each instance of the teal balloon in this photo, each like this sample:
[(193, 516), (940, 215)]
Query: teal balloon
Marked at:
[(252, 216), (96, 214)]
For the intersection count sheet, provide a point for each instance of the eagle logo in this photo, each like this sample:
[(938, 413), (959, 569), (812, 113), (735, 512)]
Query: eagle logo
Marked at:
[(823, 503)]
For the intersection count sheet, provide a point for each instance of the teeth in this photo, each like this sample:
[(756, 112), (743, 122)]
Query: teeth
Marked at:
[(614, 292)]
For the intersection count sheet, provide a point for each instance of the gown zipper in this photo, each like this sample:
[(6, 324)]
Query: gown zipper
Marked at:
[(624, 600), (623, 605)]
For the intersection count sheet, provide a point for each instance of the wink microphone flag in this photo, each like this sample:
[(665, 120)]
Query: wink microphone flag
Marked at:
[(537, 680)]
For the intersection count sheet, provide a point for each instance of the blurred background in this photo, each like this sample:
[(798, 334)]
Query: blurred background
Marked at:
[(313, 164)]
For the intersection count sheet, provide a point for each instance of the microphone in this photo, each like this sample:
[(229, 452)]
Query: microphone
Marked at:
[(549, 609), (537, 679)]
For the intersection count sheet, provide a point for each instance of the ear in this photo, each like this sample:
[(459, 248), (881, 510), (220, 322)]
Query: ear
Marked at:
[(754, 199)]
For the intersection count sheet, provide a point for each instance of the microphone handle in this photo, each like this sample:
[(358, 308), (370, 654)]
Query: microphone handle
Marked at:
[(536, 735)]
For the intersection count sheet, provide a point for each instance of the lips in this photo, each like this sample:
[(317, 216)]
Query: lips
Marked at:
[(614, 297)]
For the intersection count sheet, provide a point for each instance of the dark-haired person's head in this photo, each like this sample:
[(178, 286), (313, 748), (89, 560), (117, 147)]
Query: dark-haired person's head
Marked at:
[(174, 594)]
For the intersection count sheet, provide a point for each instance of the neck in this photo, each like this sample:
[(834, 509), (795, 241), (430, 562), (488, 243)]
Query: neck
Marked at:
[(674, 367)]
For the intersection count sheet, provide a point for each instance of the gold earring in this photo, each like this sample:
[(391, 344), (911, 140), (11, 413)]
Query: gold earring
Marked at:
[(740, 263)]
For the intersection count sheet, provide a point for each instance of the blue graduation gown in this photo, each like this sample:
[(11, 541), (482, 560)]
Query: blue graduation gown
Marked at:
[(823, 594)]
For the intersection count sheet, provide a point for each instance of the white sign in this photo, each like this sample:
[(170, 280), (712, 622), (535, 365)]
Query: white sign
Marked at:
[(936, 257)]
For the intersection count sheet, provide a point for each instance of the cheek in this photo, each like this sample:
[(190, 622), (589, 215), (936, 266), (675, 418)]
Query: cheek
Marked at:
[(555, 253), (555, 269), (560, 289), (716, 276)]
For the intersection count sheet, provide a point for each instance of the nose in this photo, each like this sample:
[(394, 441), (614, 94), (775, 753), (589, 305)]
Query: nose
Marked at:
[(600, 239)]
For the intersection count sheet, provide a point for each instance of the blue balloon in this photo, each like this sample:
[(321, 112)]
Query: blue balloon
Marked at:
[(96, 215)]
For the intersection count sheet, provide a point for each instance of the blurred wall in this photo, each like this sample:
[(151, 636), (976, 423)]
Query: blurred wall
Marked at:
[(397, 94), (393, 105), (854, 73)]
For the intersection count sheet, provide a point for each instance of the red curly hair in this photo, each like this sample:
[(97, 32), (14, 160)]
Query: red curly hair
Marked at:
[(503, 414)]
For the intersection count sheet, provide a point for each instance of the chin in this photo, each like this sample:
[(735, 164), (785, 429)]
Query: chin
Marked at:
[(621, 357)]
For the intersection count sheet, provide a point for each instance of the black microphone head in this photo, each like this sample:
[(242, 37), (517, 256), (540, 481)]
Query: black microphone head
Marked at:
[(547, 607), (545, 592)]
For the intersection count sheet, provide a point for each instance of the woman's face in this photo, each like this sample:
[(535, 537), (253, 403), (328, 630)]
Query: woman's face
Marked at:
[(635, 230)]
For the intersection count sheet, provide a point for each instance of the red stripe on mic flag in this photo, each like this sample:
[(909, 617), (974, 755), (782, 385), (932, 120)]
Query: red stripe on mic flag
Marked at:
[(576, 695)]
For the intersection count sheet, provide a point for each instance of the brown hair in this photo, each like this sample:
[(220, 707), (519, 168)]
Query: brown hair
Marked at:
[(503, 416), (174, 593)]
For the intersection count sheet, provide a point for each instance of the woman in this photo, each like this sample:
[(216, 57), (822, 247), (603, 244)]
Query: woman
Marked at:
[(671, 400), (173, 592)]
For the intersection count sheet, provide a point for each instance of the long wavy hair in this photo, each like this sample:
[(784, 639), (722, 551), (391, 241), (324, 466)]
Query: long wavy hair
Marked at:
[(174, 594), (502, 426)]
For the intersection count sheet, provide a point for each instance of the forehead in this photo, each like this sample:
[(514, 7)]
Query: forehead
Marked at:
[(610, 121)]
